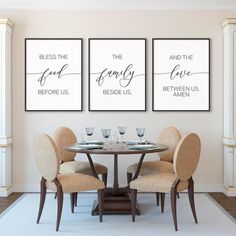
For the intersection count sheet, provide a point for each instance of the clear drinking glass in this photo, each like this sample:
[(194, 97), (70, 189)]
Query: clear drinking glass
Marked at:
[(117, 137), (106, 133), (122, 130), (140, 133), (83, 138), (89, 131), (146, 138), (111, 140)]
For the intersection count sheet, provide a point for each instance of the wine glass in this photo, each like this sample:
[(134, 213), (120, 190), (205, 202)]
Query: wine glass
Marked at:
[(117, 137), (146, 138), (111, 140), (89, 131), (140, 133), (83, 138), (106, 133), (122, 130)]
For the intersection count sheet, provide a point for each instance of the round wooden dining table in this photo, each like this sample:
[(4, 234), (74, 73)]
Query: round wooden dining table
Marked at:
[(116, 199)]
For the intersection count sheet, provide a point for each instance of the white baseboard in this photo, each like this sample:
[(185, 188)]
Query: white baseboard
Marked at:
[(198, 188), (208, 188), (26, 188)]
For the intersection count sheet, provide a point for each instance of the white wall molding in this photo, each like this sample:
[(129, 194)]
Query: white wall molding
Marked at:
[(26, 188), (5, 106), (198, 188), (4, 192), (230, 191), (6, 22), (121, 5), (229, 21), (208, 188), (229, 139)]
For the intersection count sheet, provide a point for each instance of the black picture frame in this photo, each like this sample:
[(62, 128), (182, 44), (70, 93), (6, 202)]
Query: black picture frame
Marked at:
[(81, 73), (89, 76), (209, 77)]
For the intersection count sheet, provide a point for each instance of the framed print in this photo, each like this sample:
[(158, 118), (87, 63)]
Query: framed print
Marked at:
[(117, 74), (181, 74), (53, 74)]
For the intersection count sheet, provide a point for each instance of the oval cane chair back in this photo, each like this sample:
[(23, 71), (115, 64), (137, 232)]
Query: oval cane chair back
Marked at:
[(187, 156), (46, 156), (170, 136), (64, 136)]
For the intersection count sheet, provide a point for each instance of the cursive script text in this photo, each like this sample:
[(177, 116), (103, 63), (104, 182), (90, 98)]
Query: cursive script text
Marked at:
[(48, 73), (125, 76)]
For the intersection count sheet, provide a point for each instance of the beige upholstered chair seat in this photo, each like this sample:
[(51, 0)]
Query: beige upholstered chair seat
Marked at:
[(185, 161), (76, 183), (170, 136), (64, 136), (160, 182), (151, 167), (82, 167), (48, 163)]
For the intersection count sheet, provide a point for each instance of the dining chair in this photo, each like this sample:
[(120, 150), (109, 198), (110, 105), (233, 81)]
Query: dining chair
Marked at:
[(185, 162), (170, 136), (48, 163), (64, 136)]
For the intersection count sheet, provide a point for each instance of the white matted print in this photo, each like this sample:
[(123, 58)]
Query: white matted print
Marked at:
[(181, 74), (117, 74), (53, 74)]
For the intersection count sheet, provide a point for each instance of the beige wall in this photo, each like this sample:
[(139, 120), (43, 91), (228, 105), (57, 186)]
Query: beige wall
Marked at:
[(209, 125)]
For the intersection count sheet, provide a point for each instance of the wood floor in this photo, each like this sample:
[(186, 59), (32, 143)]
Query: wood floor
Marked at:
[(228, 203), (5, 202)]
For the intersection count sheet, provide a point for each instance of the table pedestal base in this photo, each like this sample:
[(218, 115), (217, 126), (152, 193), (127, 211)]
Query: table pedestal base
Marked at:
[(119, 203)]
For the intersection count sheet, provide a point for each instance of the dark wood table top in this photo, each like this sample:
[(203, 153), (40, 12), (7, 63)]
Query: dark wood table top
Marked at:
[(116, 148)]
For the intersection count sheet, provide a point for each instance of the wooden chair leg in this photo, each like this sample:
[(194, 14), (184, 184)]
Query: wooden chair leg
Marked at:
[(157, 198), (59, 204), (75, 199), (129, 177), (100, 203), (191, 199), (72, 201), (162, 202), (43, 191), (104, 178), (133, 193), (173, 206)]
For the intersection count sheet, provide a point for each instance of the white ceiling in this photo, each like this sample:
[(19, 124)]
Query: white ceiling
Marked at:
[(120, 4)]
